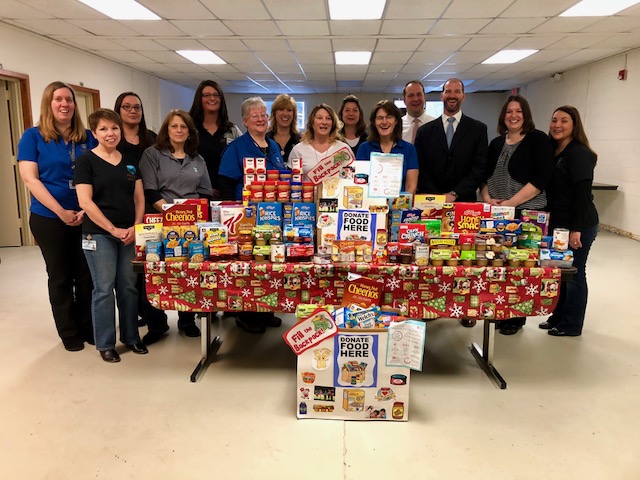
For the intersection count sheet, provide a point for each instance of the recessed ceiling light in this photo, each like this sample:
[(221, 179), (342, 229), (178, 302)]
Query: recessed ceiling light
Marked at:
[(509, 56), (353, 58), (201, 57), (598, 8), (356, 9), (122, 9)]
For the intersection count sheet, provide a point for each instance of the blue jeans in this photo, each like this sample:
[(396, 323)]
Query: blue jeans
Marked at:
[(572, 303), (110, 265)]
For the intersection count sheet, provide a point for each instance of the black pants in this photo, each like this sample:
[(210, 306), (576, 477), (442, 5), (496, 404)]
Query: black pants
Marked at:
[(70, 284)]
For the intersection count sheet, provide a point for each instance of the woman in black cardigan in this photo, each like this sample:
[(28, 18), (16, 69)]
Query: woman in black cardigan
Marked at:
[(519, 168)]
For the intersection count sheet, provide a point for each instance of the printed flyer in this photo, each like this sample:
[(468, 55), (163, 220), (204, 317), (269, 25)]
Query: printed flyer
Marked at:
[(346, 377)]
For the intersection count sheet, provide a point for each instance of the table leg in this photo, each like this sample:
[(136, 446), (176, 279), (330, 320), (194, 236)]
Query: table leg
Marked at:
[(208, 348), (484, 356)]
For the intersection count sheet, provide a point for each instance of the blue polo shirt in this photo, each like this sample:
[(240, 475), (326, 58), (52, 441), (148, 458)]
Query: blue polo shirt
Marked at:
[(56, 161), (407, 149)]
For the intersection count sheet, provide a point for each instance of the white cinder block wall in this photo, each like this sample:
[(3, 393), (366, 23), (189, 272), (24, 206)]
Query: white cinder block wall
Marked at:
[(610, 109)]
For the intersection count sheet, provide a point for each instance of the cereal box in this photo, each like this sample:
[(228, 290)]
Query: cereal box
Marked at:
[(467, 216), (236, 218), (269, 213)]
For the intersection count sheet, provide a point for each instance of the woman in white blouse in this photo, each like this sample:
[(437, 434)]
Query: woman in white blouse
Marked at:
[(320, 139)]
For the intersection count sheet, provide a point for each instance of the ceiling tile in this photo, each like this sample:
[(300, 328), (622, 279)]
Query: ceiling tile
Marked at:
[(471, 9), (279, 58), (439, 44), (407, 27), (224, 45), (202, 28), (390, 58), (358, 27), (187, 67), (541, 8), (249, 10), (565, 24), (512, 25), (139, 44), (613, 24), (304, 28), (284, 10), (471, 57), (311, 45), (172, 10), (237, 57), (267, 45), (152, 67), (354, 44), (64, 9), (124, 56), (319, 68), (398, 45), (163, 56), (94, 43), (45, 26), (160, 28), (180, 43), (253, 28), (412, 9), (480, 43), (459, 26), (536, 43), (325, 57), (15, 10), (105, 27)]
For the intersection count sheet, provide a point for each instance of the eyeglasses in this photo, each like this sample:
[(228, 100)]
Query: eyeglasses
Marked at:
[(258, 117), (128, 108), (210, 95), (388, 118)]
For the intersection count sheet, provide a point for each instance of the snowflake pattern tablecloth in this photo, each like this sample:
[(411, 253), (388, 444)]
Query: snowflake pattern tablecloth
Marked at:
[(493, 293)]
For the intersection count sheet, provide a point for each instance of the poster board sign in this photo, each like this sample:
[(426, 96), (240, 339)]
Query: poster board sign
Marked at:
[(385, 176), (346, 377), (330, 166)]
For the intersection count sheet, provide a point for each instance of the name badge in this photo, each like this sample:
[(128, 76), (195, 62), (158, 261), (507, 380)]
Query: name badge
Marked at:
[(89, 245), (71, 185)]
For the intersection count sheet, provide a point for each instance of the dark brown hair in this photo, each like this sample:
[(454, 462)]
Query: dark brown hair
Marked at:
[(361, 126), (578, 133), (103, 114), (389, 107), (527, 117), (145, 137), (197, 112), (191, 145)]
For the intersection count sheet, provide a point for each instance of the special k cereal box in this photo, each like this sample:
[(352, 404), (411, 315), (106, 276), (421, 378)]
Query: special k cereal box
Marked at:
[(236, 218), (467, 215)]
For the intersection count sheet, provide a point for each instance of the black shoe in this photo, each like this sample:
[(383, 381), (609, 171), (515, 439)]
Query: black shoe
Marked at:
[(138, 348), (555, 332), (468, 323), (190, 330), (272, 321), (73, 344), (509, 329), (110, 356), (88, 337), (141, 322), (154, 336), (251, 327)]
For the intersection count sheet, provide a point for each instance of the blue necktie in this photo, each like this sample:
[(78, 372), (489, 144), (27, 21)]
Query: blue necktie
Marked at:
[(449, 132)]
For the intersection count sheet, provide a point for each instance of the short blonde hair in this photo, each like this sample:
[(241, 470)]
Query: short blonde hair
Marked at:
[(46, 124)]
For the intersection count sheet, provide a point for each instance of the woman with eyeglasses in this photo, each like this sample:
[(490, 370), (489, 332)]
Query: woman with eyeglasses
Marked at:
[(283, 124), (135, 139), (46, 161), (321, 138), (252, 144), (386, 137), (215, 130), (173, 169), (354, 129)]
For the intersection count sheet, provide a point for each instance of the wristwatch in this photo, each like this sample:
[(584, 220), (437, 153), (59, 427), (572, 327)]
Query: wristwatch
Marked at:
[(453, 193)]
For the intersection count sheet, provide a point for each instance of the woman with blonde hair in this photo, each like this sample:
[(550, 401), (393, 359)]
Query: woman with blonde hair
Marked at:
[(46, 160), (283, 124), (321, 138)]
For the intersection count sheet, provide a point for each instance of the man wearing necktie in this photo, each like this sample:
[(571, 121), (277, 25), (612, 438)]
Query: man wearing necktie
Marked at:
[(414, 99), (452, 152), (452, 149)]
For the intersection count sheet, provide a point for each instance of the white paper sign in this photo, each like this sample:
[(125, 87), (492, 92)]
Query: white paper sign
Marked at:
[(405, 344), (385, 174)]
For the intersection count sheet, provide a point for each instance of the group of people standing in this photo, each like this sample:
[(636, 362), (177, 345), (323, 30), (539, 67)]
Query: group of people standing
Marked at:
[(91, 186)]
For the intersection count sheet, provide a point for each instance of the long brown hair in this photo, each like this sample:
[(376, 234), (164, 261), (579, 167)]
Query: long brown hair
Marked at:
[(46, 124), (389, 107), (527, 117), (284, 102), (197, 112), (146, 139), (578, 133), (164, 143)]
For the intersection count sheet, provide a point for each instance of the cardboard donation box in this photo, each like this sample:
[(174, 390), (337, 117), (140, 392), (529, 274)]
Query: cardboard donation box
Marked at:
[(345, 377)]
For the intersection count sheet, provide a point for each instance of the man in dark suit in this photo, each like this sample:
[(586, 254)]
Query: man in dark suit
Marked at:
[(455, 169), (452, 152)]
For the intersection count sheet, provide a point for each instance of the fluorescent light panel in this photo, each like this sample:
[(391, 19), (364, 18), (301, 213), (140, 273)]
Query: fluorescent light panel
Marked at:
[(353, 58), (509, 56), (201, 57), (122, 9), (598, 8), (356, 9)]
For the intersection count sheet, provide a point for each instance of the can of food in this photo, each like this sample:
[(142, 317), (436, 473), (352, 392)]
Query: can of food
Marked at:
[(277, 252), (560, 239)]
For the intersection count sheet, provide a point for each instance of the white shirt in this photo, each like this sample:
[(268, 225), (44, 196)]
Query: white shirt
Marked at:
[(407, 125), (445, 123), (310, 156)]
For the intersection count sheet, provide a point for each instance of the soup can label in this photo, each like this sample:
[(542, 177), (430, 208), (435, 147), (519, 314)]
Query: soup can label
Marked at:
[(560, 239)]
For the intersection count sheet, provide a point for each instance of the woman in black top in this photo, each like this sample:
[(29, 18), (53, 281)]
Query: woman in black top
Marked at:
[(571, 206), (519, 168), (215, 130), (283, 124), (354, 128)]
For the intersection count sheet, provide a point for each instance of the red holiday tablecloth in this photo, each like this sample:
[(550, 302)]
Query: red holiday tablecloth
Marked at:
[(491, 293)]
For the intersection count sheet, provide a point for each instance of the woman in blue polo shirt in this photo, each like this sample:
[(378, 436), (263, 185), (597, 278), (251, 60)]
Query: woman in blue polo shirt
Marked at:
[(46, 156), (386, 137)]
